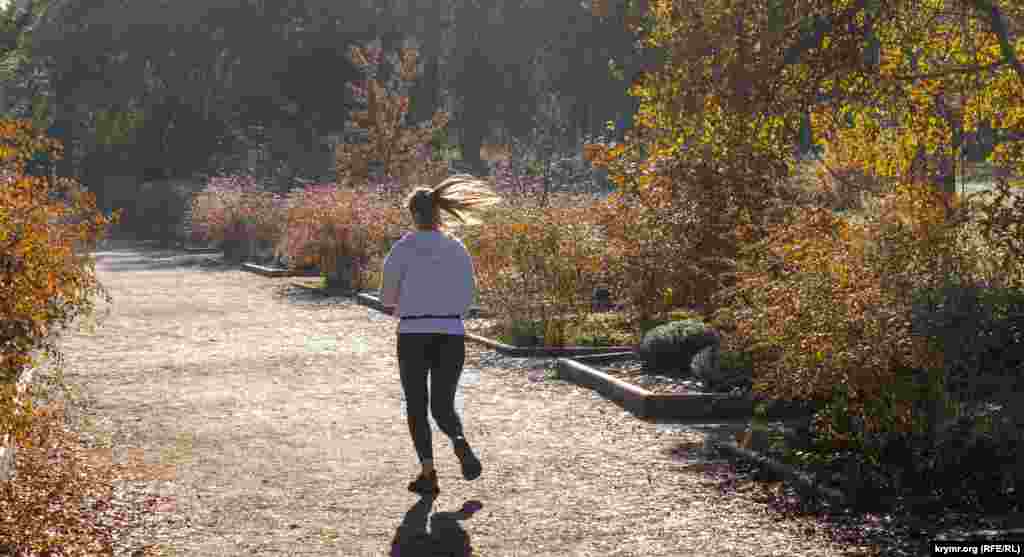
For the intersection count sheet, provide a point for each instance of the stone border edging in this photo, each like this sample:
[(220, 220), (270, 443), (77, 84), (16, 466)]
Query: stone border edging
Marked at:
[(8, 450), (196, 249), (791, 475), (515, 351), (989, 535), (276, 271), (645, 404), (528, 351)]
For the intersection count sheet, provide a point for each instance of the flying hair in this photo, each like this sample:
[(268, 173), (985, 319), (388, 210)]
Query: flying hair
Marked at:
[(462, 196)]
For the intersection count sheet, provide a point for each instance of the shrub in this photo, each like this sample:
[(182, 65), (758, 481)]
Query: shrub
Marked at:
[(810, 309), (893, 321), (671, 347), (237, 207), (1001, 224), (47, 283), (980, 332), (672, 315), (524, 333), (357, 224), (536, 265), (975, 463), (671, 231), (736, 369), (510, 178)]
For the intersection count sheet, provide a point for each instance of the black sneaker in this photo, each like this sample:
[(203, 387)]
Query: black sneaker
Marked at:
[(425, 485), (470, 463)]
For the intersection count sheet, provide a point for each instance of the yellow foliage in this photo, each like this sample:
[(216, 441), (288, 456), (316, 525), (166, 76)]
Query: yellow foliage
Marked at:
[(701, 178)]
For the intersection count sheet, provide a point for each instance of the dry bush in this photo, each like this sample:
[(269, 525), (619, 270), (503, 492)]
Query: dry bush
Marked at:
[(548, 260), (830, 297), (359, 224), (825, 183), (831, 308), (1001, 224), (813, 312), (49, 507)]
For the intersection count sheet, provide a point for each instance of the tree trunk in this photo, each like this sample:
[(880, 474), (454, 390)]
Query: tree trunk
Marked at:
[(425, 94), (945, 179), (471, 139)]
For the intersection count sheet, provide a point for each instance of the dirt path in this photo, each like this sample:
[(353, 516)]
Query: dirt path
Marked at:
[(272, 424)]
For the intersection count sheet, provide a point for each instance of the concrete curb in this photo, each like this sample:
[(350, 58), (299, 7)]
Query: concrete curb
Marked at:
[(794, 477), (645, 404), (8, 450), (524, 351), (196, 249), (277, 272)]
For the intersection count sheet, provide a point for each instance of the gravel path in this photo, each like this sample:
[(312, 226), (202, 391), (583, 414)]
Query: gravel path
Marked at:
[(266, 421)]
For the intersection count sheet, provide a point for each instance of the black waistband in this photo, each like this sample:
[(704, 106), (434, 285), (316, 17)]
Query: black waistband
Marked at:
[(431, 317)]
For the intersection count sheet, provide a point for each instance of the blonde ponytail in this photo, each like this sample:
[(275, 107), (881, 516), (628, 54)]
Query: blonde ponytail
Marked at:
[(461, 196)]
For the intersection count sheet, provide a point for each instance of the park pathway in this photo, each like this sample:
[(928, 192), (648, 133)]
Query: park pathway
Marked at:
[(268, 422)]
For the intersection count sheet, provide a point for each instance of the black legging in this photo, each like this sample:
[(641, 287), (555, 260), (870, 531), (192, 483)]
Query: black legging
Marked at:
[(442, 356)]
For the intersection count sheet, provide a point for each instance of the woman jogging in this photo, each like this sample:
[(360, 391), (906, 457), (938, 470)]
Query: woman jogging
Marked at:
[(428, 282)]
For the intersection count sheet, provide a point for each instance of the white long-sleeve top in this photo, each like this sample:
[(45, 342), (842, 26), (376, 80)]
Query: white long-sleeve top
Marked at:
[(428, 273)]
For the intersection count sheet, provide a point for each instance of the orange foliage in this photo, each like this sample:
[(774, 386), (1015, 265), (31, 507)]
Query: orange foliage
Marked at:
[(390, 144), (43, 281), (825, 303), (45, 511)]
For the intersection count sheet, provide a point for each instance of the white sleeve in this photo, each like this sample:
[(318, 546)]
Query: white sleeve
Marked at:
[(469, 281), (392, 274)]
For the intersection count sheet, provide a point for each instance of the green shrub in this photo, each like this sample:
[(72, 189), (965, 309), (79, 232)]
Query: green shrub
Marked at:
[(736, 362), (645, 325), (523, 332), (671, 346)]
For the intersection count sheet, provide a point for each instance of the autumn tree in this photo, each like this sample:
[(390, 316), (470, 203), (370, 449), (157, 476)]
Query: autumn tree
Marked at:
[(882, 80), (892, 87), (397, 148)]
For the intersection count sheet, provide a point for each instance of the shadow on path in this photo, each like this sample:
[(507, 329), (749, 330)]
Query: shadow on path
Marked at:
[(124, 254), (118, 262), (446, 537)]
